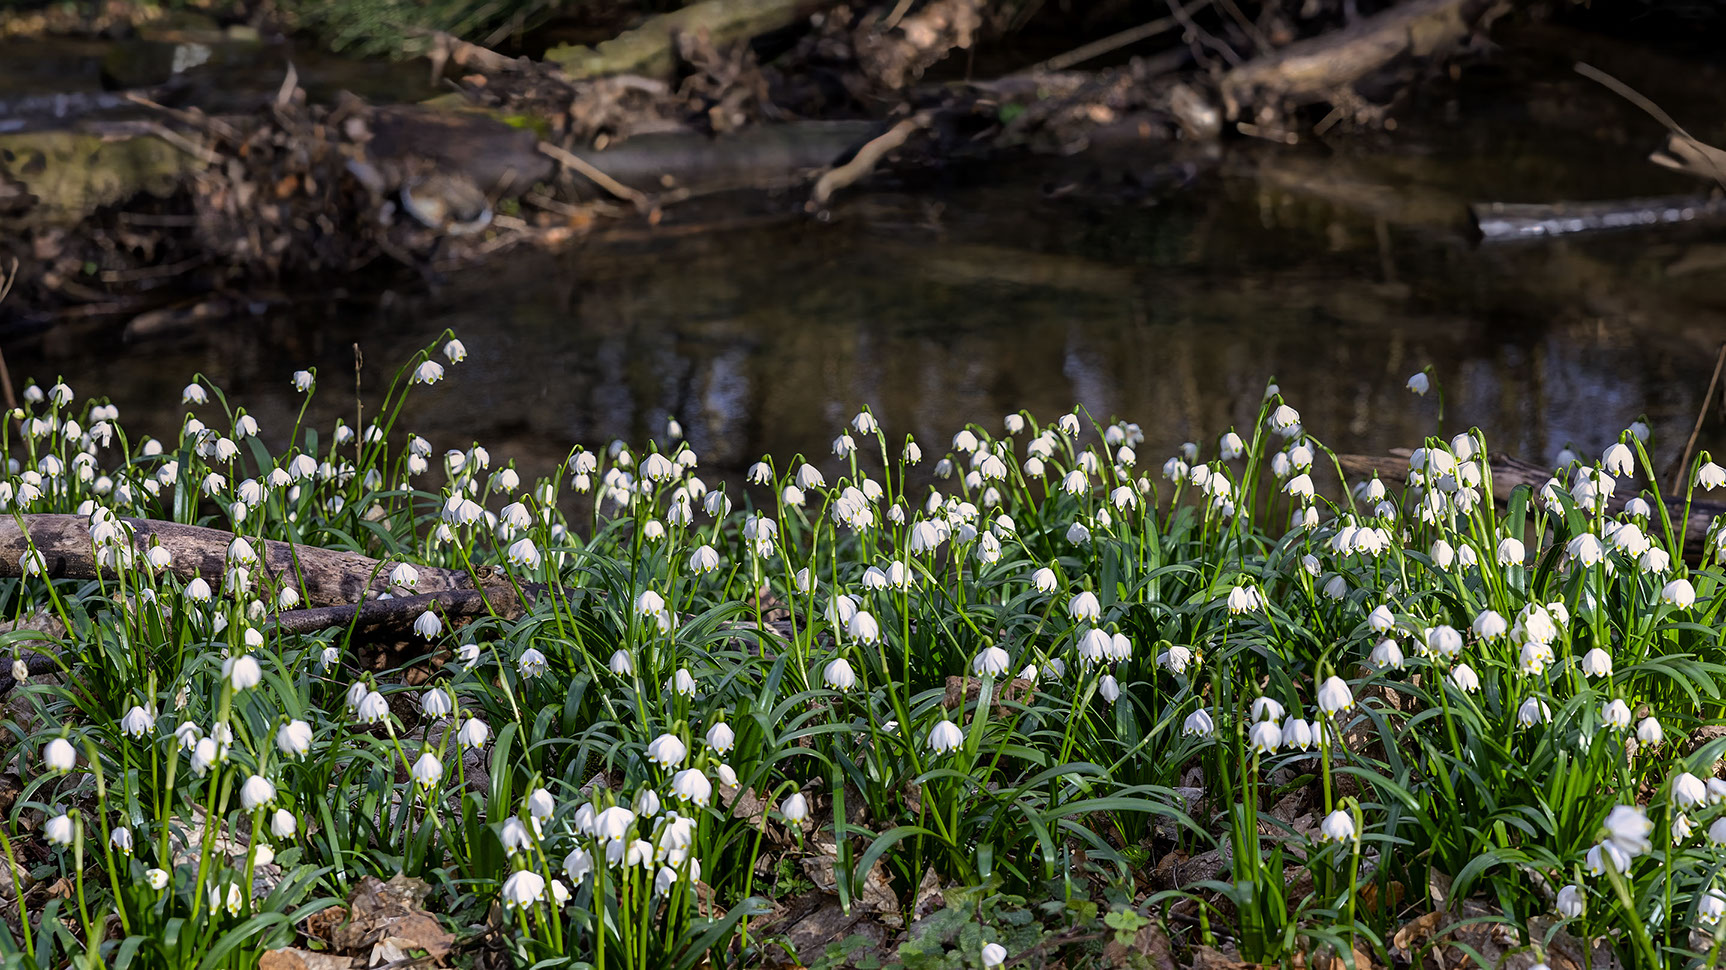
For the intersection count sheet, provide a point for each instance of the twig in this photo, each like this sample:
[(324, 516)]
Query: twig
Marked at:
[(1113, 42), (190, 147), (1636, 98), (1701, 416), (597, 177), (6, 280), (866, 158)]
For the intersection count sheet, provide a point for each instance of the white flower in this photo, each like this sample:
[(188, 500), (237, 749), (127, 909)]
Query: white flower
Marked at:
[(242, 672), (1300, 487), (532, 663), (704, 560), (1419, 383), (58, 830), (1381, 619), (1618, 460), (1338, 826), (157, 879), (1443, 641), (1628, 830), (1616, 715), (1266, 709), (1387, 655), (990, 662), (429, 372), (473, 734), (294, 739), (198, 591), (1511, 552), (1489, 625), (577, 865), (1442, 554), (1710, 476), (59, 756), (863, 627), (256, 792), (1597, 663), (1688, 791), (1679, 593), (1243, 599), (428, 625), (621, 664), (839, 676), (1108, 688), (455, 351), (1533, 711), (1570, 902), (691, 785), (435, 702), (649, 604), (1465, 679), (1711, 907), (515, 836), (1077, 534), (468, 654), (1297, 733), (523, 889), (1199, 724), (1265, 737), (1648, 731), (945, 737), (1334, 695), (795, 808), (667, 751), (682, 682), (373, 708), (427, 771), (194, 394), (993, 955), (137, 722), (721, 738)]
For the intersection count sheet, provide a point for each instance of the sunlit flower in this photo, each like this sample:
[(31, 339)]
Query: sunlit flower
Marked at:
[(990, 662), (256, 792), (427, 771), (667, 751), (1199, 724), (242, 672), (473, 734), (58, 830), (795, 809), (532, 663), (1334, 695), (1464, 678), (1616, 715), (1679, 593), (522, 889), (1265, 737), (429, 372), (1628, 830), (945, 738), (294, 739)]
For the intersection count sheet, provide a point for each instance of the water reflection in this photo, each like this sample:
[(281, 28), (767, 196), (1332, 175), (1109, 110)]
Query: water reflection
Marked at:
[(937, 307)]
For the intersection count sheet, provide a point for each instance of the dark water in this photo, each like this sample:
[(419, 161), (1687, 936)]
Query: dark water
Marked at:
[(1338, 269)]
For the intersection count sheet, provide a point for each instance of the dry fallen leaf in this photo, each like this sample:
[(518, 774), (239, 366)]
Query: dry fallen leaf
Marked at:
[(387, 917)]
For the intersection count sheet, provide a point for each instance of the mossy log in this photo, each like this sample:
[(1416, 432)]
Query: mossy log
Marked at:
[(323, 577), (649, 49)]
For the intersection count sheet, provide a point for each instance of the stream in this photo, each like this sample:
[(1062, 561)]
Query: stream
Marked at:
[(1165, 290)]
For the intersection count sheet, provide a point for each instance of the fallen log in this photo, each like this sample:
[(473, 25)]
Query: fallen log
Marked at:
[(322, 577), (649, 49), (1507, 222), (1509, 473)]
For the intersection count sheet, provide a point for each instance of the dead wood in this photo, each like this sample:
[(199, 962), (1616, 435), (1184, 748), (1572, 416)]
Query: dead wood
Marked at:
[(322, 577), (866, 159), (1325, 68), (1506, 221)]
